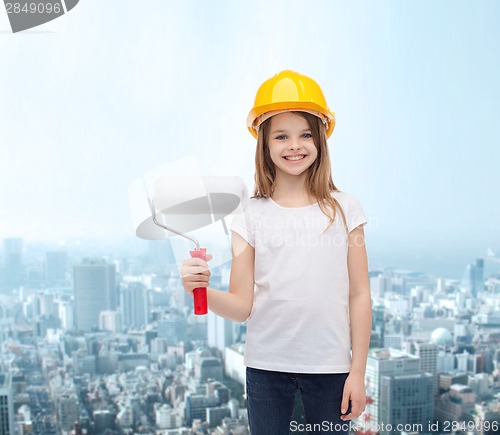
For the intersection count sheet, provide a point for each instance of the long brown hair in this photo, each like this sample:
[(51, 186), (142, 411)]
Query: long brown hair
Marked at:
[(319, 182)]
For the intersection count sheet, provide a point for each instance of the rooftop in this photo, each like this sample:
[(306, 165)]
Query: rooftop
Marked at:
[(389, 353)]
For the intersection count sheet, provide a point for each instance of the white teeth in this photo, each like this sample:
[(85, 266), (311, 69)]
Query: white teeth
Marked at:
[(295, 158)]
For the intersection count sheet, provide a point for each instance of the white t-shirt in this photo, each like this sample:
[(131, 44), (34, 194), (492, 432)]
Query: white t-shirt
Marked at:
[(299, 321)]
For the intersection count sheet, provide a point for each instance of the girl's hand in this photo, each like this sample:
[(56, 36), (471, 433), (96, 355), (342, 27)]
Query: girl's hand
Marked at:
[(355, 392), (195, 273)]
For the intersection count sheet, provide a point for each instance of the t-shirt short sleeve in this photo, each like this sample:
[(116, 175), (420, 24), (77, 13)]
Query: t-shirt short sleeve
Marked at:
[(241, 224), (355, 215)]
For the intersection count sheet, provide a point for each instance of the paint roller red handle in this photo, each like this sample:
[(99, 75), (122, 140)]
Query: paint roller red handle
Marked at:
[(200, 293)]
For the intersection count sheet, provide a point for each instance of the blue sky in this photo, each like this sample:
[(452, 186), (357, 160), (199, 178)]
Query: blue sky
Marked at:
[(96, 98)]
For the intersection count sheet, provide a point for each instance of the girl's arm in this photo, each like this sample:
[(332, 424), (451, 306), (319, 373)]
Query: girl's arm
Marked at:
[(360, 305), (360, 309), (236, 304)]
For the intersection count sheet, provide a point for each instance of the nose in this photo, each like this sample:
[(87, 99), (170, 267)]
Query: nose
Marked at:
[(294, 144)]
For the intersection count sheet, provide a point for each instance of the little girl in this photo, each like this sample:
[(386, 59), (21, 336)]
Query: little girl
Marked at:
[(299, 274)]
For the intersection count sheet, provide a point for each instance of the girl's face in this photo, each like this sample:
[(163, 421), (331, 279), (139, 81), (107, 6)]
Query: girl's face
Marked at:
[(290, 135)]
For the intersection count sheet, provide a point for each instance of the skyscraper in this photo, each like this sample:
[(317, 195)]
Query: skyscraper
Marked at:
[(48, 305), (385, 362), (378, 326), (474, 277), (95, 291), (67, 410), (134, 305), (110, 321), (407, 400), (173, 327), (13, 262), (427, 353), (67, 315), (220, 331), (6, 405), (477, 277)]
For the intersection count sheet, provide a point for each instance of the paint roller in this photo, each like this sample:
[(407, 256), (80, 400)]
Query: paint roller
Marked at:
[(181, 204)]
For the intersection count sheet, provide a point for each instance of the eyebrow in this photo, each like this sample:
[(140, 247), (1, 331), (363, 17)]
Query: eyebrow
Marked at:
[(285, 131)]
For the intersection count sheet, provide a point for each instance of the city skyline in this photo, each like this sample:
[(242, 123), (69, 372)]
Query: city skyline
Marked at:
[(433, 354), (414, 90)]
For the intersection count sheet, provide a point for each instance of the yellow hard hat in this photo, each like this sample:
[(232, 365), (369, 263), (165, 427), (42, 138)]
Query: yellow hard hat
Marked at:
[(289, 90)]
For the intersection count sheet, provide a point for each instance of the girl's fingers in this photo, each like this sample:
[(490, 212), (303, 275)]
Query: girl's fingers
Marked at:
[(197, 270), (196, 278), (355, 411), (345, 402), (198, 261), (194, 270)]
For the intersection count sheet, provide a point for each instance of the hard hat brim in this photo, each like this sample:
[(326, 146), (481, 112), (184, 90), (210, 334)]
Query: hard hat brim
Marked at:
[(253, 117)]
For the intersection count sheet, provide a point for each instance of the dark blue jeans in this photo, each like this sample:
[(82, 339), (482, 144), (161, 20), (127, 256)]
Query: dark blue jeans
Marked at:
[(271, 398)]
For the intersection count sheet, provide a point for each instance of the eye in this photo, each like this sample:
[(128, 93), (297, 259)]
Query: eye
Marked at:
[(307, 135), (281, 135)]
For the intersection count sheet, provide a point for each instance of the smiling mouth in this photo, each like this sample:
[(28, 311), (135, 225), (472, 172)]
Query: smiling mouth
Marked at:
[(295, 158)]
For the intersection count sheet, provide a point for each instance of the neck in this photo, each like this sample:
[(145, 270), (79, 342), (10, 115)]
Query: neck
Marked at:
[(288, 187)]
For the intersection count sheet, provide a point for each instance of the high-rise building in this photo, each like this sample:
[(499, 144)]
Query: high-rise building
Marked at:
[(110, 321), (216, 414), (95, 291), (384, 362), (68, 411), (208, 368), (478, 276), (48, 306), (134, 305), (427, 352), (407, 400), (172, 327), (125, 417), (233, 363), (104, 419), (13, 262), (6, 405), (457, 404), (445, 361), (83, 362), (67, 315), (378, 326), (167, 417), (480, 384), (197, 405), (394, 341), (474, 277), (379, 285), (220, 331)]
